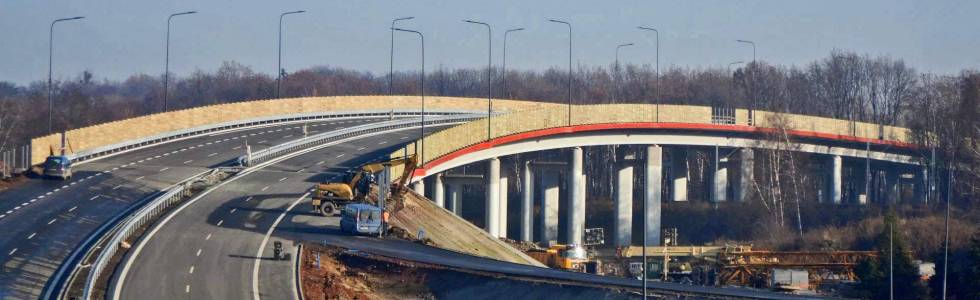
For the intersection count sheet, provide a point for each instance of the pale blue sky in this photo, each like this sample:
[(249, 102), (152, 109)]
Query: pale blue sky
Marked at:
[(123, 37)]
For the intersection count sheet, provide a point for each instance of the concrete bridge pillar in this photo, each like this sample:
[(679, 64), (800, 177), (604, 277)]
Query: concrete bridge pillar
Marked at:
[(892, 176), (747, 176), (550, 194), (719, 178), (502, 208), (455, 203), (576, 196), (678, 173), (419, 187), (654, 171), (921, 185), (492, 211), (527, 196), (439, 191), (624, 205), (835, 186)]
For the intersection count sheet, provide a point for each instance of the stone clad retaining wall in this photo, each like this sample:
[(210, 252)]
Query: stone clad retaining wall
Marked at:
[(150, 125)]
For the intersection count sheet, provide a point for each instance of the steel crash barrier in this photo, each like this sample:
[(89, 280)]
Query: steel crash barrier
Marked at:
[(114, 239)]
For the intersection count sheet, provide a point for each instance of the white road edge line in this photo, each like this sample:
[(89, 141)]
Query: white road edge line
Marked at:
[(265, 240)]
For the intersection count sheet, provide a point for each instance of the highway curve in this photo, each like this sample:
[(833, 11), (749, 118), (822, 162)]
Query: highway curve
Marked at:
[(208, 249), (44, 220)]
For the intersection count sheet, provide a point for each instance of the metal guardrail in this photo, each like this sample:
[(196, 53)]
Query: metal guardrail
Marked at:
[(135, 221), (257, 157), (90, 154)]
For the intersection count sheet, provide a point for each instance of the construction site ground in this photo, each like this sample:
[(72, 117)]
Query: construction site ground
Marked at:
[(335, 273), (442, 229)]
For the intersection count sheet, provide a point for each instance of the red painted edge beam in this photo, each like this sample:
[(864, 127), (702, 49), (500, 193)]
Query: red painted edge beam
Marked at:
[(650, 125)]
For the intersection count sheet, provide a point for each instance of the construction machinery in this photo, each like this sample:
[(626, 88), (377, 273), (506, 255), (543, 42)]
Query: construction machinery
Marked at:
[(357, 183), (565, 257)]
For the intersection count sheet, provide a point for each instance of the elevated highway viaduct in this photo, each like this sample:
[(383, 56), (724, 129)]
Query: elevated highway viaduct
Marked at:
[(239, 226), (546, 159)]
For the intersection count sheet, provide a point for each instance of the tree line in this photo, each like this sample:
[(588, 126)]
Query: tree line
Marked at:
[(942, 109)]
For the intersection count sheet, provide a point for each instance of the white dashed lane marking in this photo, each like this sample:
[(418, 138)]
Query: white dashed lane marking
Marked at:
[(52, 221), (73, 209), (191, 271), (164, 169), (220, 222), (139, 178), (282, 179), (189, 161), (12, 252), (198, 252), (31, 236), (208, 237), (93, 198), (341, 155), (212, 154)]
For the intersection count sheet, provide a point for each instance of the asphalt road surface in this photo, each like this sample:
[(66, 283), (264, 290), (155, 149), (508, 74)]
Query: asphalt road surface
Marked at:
[(209, 249), (44, 220)]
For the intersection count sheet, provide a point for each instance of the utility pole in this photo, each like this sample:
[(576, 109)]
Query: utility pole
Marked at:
[(569, 67), (616, 66), (50, 60), (166, 68), (657, 77), (489, 75), (504, 69), (279, 69)]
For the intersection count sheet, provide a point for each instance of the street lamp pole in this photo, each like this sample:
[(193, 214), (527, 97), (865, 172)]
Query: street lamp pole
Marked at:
[(751, 102), (391, 57), (656, 96), (616, 67), (730, 74), (421, 146), (489, 70), (166, 67), (279, 69), (504, 69), (569, 67), (50, 59)]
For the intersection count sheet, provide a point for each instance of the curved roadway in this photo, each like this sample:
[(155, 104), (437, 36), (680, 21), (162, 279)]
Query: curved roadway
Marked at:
[(44, 220), (208, 249)]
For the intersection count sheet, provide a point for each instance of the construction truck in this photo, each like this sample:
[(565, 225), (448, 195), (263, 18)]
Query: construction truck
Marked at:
[(328, 197), (565, 257)]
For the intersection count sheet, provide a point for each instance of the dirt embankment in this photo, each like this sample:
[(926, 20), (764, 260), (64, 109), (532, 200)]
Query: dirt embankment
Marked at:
[(445, 230), (344, 274)]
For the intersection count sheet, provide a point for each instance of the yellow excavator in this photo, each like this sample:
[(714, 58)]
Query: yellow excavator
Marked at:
[(329, 196)]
